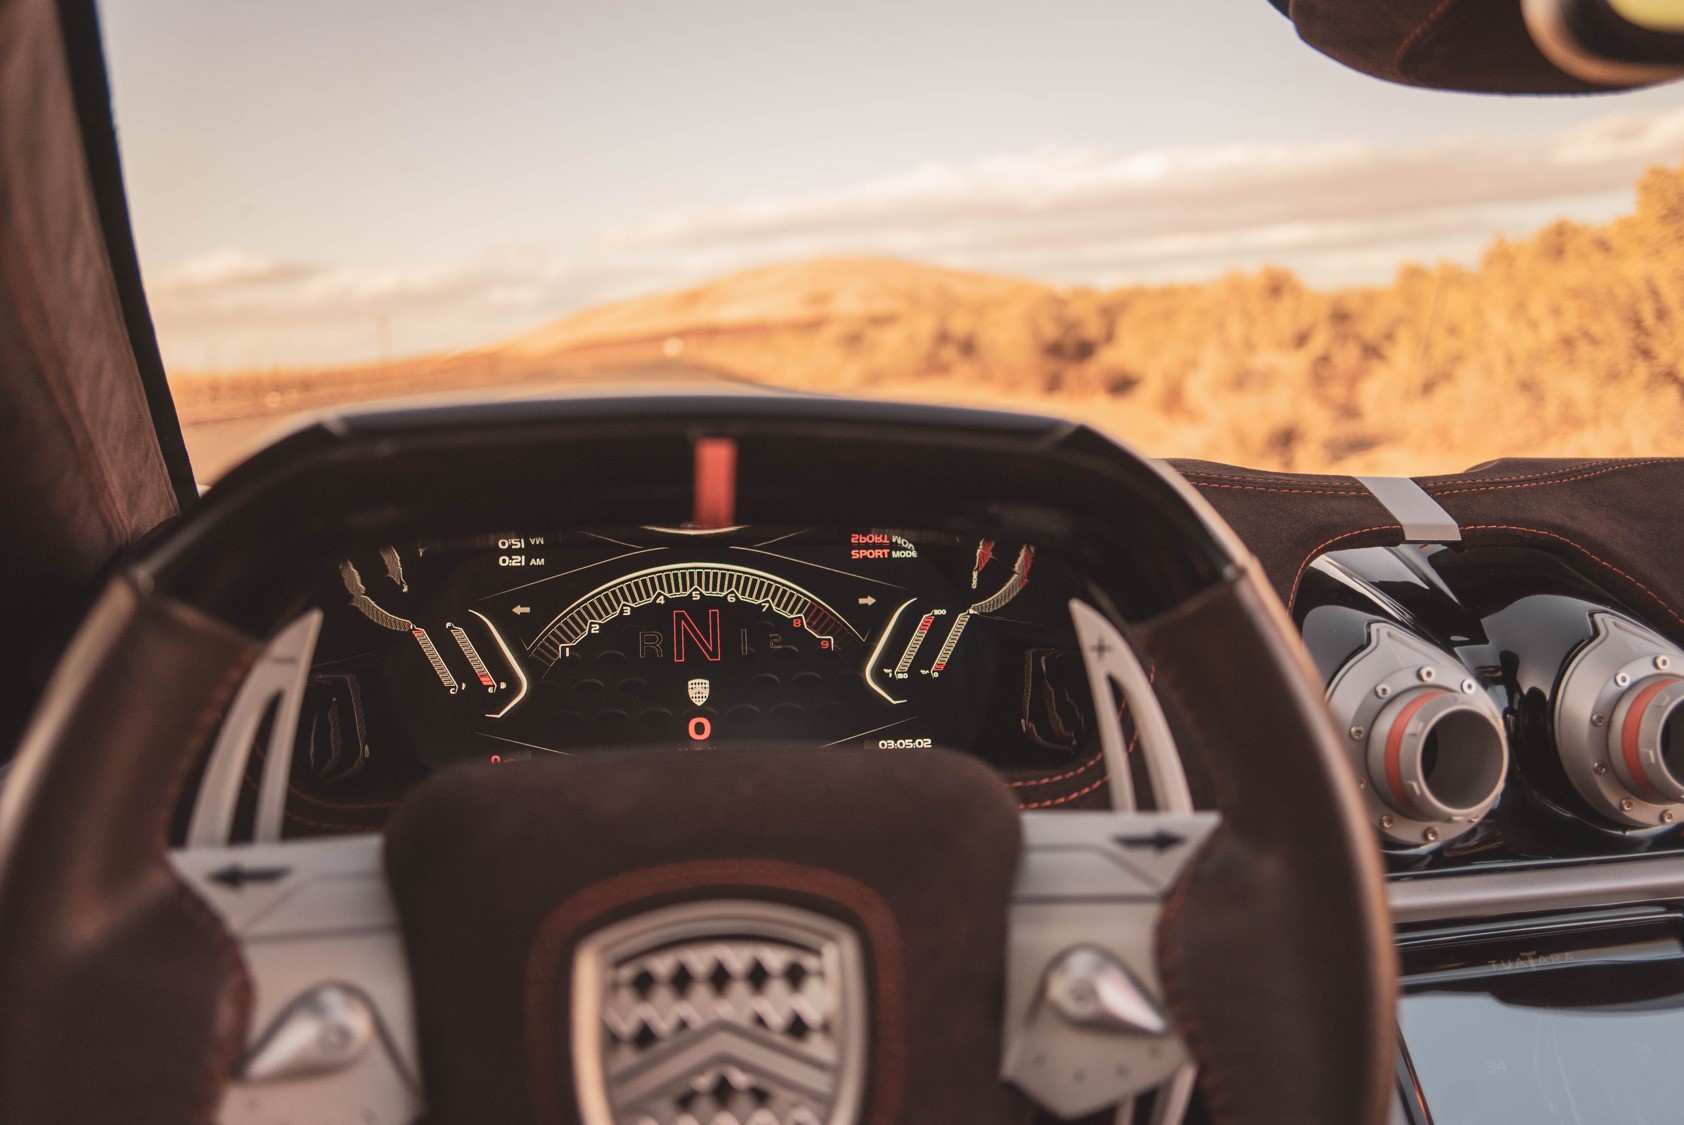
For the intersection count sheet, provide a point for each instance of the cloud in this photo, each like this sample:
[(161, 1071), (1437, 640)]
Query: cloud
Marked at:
[(232, 308), (1077, 210), (228, 269), (1336, 212), (234, 283)]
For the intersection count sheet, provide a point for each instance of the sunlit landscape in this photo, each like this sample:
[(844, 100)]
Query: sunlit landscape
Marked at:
[(1564, 343)]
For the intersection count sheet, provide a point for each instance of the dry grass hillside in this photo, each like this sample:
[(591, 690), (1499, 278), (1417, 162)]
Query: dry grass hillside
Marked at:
[(1570, 342)]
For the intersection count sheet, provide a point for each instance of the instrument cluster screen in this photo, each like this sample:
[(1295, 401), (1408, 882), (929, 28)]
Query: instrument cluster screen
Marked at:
[(516, 646)]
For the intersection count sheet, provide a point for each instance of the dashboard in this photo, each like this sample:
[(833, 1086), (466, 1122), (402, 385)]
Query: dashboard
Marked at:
[(1477, 680), (512, 646)]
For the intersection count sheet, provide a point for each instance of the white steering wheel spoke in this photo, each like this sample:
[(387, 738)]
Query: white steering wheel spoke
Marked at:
[(332, 1033)]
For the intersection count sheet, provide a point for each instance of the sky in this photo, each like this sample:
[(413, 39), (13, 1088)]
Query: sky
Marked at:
[(317, 183)]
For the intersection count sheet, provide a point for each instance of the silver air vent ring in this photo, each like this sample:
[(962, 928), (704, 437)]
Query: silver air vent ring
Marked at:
[(1429, 746), (1619, 724)]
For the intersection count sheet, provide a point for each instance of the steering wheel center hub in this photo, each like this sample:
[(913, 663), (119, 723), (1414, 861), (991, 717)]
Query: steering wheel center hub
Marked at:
[(780, 930)]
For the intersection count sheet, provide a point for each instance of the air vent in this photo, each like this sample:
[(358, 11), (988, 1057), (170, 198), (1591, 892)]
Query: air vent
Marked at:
[(1429, 747)]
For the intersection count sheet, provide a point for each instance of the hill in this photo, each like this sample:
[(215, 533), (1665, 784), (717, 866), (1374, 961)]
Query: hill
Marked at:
[(1567, 343)]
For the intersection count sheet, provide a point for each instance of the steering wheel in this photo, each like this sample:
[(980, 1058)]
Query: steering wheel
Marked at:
[(882, 920)]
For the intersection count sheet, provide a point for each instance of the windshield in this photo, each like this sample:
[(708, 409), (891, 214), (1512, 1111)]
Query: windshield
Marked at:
[(1176, 222)]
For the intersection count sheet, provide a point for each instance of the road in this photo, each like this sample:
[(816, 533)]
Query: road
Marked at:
[(217, 446)]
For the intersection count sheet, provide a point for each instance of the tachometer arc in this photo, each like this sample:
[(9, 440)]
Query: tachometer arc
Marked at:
[(685, 580)]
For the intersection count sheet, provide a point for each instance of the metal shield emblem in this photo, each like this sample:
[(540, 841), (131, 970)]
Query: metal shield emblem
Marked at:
[(732, 1012), (698, 692)]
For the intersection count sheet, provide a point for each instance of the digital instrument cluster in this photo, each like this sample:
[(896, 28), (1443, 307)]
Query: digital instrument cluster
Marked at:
[(522, 645)]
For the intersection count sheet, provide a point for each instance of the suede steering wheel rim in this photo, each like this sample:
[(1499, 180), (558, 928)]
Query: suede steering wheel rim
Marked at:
[(1275, 948)]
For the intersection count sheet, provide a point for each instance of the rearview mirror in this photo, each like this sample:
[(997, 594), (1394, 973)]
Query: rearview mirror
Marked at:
[(1610, 42)]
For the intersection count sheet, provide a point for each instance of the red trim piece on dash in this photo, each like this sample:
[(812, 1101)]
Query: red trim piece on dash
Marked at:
[(1632, 730), (716, 483), (1394, 746)]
